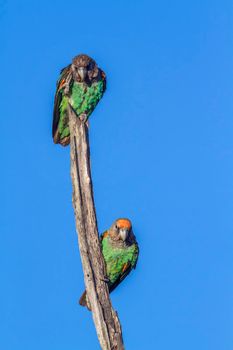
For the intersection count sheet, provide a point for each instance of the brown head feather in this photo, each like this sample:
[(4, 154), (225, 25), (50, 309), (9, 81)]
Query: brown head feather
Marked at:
[(86, 63)]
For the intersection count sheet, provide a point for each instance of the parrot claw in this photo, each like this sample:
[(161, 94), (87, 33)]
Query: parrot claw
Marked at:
[(83, 117), (66, 89), (105, 279)]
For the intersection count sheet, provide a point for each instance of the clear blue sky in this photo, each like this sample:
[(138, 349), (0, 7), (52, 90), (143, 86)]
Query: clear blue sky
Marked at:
[(162, 154)]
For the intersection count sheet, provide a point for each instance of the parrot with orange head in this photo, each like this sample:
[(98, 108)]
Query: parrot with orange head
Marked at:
[(120, 251)]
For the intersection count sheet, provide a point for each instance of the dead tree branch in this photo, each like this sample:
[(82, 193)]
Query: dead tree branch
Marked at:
[(106, 321)]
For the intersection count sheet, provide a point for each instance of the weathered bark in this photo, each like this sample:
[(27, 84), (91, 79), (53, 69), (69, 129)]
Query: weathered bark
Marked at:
[(106, 321)]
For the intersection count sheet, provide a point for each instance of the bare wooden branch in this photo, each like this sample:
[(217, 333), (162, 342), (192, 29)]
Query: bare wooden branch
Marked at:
[(106, 321)]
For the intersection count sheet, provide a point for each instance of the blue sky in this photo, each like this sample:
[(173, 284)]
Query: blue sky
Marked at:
[(161, 148)]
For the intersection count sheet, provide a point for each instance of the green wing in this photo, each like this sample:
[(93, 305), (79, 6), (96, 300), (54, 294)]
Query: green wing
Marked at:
[(59, 109)]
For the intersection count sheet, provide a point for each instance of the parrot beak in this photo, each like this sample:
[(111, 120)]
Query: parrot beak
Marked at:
[(82, 72), (123, 234)]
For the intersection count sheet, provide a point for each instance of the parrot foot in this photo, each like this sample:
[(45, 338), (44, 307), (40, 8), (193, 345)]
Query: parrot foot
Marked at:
[(83, 117), (105, 279), (66, 89)]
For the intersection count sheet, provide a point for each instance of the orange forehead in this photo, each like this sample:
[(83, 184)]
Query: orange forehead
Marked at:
[(124, 223)]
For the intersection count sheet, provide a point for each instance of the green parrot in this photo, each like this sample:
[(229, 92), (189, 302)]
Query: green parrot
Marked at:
[(81, 84), (120, 251)]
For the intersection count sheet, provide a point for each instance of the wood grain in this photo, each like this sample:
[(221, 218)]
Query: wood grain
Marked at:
[(106, 320)]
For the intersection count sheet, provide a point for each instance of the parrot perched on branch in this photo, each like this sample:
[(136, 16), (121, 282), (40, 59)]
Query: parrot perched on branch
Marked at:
[(120, 251), (81, 84)]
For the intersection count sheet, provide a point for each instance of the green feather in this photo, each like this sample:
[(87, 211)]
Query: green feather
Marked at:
[(116, 257), (83, 99), (63, 122)]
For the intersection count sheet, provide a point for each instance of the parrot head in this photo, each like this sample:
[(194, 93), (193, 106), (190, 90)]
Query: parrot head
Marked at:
[(121, 230), (84, 69)]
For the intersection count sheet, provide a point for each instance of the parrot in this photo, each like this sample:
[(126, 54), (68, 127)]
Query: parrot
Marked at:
[(81, 84), (120, 251)]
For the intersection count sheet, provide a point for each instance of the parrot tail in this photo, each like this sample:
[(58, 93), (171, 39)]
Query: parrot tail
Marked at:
[(83, 301)]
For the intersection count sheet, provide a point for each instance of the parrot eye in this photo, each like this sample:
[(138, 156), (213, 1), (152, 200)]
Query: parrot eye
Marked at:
[(116, 227)]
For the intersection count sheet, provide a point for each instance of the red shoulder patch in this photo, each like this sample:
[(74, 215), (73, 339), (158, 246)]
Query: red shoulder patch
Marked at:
[(125, 267), (105, 234), (61, 84)]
